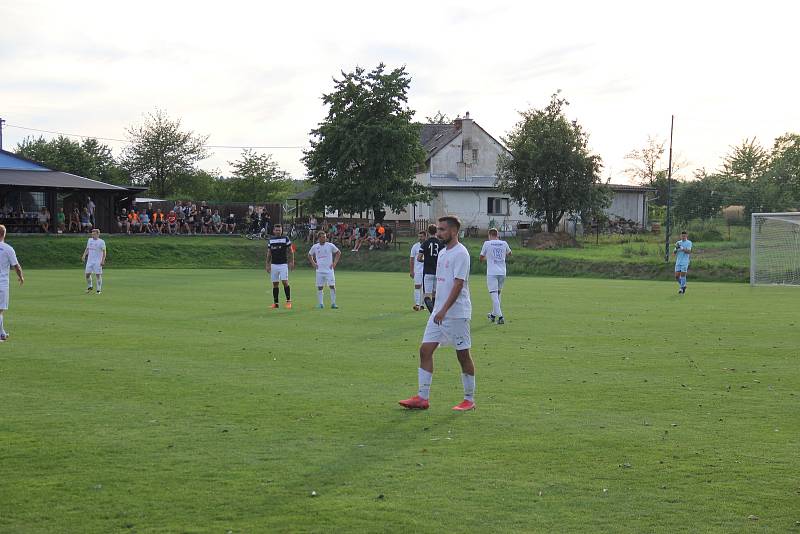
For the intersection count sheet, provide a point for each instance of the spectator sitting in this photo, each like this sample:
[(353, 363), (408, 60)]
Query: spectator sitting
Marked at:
[(158, 222), (60, 221), (86, 224), (372, 236), (144, 222), (385, 238), (44, 219), (172, 222), (181, 220), (192, 219), (207, 225), (230, 226), (134, 222), (216, 222), (363, 237), (74, 221)]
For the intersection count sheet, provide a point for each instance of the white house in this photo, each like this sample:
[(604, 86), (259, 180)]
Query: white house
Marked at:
[(461, 172)]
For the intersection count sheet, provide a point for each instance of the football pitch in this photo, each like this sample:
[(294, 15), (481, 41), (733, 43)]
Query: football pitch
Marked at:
[(177, 402)]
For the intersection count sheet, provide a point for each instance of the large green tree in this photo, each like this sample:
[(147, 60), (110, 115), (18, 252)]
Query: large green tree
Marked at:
[(746, 161), (161, 152), (256, 178), (785, 159), (365, 152), (88, 158), (550, 170)]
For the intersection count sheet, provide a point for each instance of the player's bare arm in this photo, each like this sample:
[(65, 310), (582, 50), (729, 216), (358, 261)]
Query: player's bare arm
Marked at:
[(291, 261), (268, 265), (458, 285), (336, 258), (103, 261), (312, 260), (21, 278), (482, 258)]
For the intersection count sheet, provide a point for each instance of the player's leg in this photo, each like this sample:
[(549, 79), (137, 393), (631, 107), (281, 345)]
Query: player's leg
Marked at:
[(460, 333), (89, 286), (287, 291), (430, 341), (3, 308), (683, 279), (98, 276), (417, 296), (320, 290), (275, 289), (331, 281)]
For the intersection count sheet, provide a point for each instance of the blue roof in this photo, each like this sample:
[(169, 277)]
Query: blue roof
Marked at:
[(14, 162)]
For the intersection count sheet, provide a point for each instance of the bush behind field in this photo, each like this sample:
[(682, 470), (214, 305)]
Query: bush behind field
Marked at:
[(638, 260)]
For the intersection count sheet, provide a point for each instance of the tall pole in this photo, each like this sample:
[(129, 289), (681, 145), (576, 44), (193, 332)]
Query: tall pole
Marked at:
[(669, 193), (1, 132)]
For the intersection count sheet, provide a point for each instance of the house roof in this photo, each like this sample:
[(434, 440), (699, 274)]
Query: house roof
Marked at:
[(52, 180), (435, 137), (9, 160), (489, 182), (630, 188)]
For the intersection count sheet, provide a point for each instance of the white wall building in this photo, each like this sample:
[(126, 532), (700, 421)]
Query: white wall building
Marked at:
[(461, 172)]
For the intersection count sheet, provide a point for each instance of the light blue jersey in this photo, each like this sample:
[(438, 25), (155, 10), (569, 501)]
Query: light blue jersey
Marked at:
[(682, 258)]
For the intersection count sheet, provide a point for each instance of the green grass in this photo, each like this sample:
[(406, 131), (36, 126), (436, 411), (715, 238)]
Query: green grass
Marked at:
[(618, 257), (175, 402)]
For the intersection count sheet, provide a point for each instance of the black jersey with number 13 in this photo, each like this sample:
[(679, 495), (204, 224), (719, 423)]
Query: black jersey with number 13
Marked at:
[(430, 255)]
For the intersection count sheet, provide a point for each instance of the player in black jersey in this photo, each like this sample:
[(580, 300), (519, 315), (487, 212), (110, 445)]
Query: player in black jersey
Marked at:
[(429, 255), (278, 263)]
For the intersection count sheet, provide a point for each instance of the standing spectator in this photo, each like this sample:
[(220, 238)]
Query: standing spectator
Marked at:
[(44, 219), (191, 219), (74, 221), (181, 219), (216, 222), (172, 222), (187, 211), (60, 221), (267, 222), (122, 222), (90, 206), (231, 224), (312, 228)]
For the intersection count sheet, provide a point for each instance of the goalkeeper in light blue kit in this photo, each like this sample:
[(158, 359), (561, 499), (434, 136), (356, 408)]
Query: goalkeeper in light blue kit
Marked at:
[(683, 249)]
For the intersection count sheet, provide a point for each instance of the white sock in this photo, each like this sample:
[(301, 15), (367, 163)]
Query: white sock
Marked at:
[(333, 296), (2, 329), (469, 386), (496, 304), (320, 297), (89, 281), (417, 296), (99, 278), (424, 378)]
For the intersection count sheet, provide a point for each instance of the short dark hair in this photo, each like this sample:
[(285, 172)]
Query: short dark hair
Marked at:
[(421, 232), (451, 221), (278, 226), (684, 232), (432, 229)]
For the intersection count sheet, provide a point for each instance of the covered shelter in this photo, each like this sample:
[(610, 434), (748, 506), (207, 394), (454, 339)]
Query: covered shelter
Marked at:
[(26, 187)]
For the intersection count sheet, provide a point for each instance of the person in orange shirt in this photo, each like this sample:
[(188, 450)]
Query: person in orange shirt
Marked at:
[(133, 220)]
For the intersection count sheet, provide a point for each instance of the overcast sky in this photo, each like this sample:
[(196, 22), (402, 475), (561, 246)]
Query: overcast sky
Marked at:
[(251, 73)]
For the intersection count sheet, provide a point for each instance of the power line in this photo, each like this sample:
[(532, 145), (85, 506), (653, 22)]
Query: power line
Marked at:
[(112, 139)]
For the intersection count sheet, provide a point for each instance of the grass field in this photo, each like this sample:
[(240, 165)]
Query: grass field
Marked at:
[(176, 402)]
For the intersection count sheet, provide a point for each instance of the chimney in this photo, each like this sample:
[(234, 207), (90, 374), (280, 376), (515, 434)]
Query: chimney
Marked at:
[(466, 146)]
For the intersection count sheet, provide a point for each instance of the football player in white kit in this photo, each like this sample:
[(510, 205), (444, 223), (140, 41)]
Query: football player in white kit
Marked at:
[(95, 258), (8, 260), (415, 270), (494, 253), (323, 257), (448, 324)]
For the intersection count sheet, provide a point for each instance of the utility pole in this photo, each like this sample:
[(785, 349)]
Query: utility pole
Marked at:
[(669, 193), (1, 132)]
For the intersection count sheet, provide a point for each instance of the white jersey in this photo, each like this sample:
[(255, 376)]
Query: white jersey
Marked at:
[(8, 259), (495, 252), (418, 265), (453, 263), (323, 255), (95, 248)]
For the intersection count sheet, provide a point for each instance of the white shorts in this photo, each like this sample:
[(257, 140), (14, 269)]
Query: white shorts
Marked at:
[(495, 282), (279, 272), (326, 278), (4, 299), (451, 333), (417, 279), (94, 268), (429, 283)]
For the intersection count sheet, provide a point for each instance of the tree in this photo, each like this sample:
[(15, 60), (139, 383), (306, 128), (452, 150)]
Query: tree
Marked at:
[(160, 153), (746, 161), (649, 167), (256, 178), (698, 199), (550, 171), (89, 158), (786, 163), (439, 118), (365, 152)]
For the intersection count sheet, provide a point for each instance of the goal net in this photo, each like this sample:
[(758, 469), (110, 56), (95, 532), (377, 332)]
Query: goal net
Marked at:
[(775, 248)]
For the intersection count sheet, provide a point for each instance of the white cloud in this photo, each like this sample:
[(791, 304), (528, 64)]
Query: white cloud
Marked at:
[(252, 73)]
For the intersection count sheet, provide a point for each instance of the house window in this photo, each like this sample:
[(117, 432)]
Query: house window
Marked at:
[(474, 155), (498, 206)]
